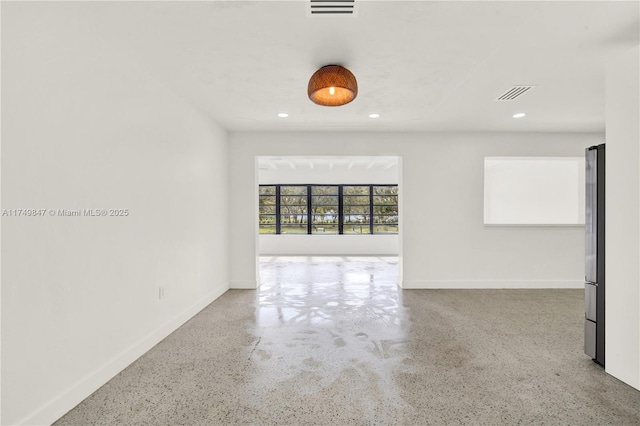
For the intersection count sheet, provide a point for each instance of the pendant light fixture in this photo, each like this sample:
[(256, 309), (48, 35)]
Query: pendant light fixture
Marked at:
[(332, 85)]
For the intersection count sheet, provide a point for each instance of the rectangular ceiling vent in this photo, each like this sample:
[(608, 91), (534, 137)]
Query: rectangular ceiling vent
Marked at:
[(331, 8), (514, 92)]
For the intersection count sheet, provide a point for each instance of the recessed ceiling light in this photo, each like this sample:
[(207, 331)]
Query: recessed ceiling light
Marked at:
[(374, 115), (519, 115), (283, 115)]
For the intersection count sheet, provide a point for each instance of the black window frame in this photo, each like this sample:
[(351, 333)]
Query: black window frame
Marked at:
[(370, 216), (367, 204), (276, 223), (375, 215), (317, 228), (306, 203)]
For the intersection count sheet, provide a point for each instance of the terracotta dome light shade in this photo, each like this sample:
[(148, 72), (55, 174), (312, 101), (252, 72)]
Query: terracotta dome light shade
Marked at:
[(332, 85)]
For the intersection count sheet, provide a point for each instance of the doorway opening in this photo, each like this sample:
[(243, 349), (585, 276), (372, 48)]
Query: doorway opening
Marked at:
[(346, 206)]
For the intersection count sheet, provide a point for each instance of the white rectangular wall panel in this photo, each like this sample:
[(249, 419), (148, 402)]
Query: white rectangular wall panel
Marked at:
[(534, 190)]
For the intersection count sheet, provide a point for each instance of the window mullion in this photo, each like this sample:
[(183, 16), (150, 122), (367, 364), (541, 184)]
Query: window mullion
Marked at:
[(371, 209), (278, 226), (340, 210), (309, 209)]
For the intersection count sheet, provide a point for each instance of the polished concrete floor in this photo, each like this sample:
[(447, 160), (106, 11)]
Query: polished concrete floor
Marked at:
[(333, 341)]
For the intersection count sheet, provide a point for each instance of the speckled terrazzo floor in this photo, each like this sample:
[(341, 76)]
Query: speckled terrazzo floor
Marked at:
[(333, 341)]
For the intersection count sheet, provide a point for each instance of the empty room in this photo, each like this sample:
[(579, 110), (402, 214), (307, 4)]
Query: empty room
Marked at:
[(311, 212)]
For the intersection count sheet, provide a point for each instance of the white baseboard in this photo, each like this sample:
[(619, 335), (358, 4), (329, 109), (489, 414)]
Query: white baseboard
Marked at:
[(243, 285), (490, 284), (60, 405)]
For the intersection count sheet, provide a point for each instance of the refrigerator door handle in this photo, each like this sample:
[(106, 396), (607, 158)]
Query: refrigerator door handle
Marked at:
[(590, 302), (591, 214)]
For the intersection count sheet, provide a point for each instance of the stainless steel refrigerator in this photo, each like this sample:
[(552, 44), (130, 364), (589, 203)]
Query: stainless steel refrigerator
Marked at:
[(594, 254)]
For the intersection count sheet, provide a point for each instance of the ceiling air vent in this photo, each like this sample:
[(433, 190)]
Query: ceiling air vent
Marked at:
[(319, 8), (514, 92)]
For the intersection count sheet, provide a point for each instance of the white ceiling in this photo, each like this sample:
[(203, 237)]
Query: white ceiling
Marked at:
[(433, 66)]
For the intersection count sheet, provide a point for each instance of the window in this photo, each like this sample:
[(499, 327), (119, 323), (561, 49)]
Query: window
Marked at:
[(385, 209), (267, 211), (325, 209), (294, 206), (357, 209), (328, 209)]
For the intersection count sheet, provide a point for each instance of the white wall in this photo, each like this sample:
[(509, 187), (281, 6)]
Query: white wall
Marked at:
[(83, 127), (339, 172), (445, 244), (622, 342), (319, 245)]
